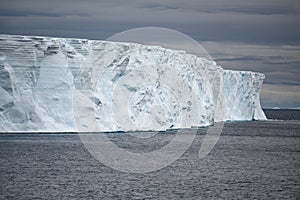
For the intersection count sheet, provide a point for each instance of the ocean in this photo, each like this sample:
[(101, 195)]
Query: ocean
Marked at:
[(251, 160)]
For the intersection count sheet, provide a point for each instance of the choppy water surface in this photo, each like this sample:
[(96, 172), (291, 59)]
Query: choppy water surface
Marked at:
[(251, 160)]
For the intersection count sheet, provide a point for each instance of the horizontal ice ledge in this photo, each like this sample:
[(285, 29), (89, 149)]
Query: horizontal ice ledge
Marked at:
[(60, 84)]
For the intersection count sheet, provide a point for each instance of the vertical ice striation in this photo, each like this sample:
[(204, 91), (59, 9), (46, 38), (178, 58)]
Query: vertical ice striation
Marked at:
[(57, 84)]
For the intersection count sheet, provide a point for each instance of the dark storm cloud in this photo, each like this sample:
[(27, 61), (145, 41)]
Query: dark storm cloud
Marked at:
[(242, 7), (221, 20), (271, 27), (244, 59), (159, 7), (275, 60), (10, 13)]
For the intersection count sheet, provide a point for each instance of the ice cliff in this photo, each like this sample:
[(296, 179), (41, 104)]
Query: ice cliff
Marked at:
[(58, 84)]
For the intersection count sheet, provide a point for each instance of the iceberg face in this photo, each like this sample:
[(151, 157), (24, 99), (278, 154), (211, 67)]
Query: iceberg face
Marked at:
[(57, 84)]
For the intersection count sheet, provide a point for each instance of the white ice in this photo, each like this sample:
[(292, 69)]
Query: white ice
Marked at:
[(58, 84)]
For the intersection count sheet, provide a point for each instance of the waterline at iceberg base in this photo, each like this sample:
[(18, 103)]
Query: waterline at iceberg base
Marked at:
[(60, 84)]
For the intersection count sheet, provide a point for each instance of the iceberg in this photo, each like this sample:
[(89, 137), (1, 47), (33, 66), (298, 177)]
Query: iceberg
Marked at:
[(65, 84)]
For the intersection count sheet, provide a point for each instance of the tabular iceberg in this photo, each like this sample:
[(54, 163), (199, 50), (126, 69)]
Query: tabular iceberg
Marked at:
[(58, 84)]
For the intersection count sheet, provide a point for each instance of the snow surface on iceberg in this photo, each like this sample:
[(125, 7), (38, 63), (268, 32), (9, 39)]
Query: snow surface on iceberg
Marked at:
[(57, 84)]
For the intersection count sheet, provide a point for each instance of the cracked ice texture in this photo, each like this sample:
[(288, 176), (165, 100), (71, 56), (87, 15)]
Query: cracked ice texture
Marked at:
[(45, 82)]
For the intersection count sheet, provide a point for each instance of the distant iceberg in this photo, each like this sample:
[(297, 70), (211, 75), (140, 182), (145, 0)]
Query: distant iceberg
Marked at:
[(60, 84), (276, 108)]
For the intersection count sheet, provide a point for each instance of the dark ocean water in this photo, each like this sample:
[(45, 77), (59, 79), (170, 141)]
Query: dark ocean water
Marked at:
[(283, 114), (251, 160)]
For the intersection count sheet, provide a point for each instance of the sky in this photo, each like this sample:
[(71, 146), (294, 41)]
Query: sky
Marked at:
[(256, 35)]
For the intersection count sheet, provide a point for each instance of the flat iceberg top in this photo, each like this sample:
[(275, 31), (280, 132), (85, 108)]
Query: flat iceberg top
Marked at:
[(67, 84)]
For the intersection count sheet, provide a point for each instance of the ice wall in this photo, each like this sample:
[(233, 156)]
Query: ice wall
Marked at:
[(57, 84)]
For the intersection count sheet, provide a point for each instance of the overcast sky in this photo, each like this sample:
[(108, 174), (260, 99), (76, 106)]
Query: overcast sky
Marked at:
[(257, 35)]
